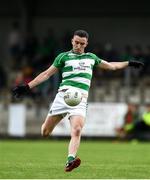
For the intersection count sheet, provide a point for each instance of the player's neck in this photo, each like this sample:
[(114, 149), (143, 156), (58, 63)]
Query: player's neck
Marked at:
[(77, 52)]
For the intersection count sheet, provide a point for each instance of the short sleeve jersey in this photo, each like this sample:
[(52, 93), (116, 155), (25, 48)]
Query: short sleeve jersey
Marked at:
[(77, 69)]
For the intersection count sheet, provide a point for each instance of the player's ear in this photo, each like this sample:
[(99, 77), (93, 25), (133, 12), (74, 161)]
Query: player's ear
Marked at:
[(86, 43), (72, 41)]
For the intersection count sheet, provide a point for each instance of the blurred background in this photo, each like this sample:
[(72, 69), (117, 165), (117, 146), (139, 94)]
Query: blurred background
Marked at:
[(33, 33)]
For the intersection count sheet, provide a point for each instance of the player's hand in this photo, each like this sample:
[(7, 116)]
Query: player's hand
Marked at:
[(136, 64), (20, 91)]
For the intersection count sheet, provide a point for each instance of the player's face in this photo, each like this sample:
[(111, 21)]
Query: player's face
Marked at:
[(79, 44)]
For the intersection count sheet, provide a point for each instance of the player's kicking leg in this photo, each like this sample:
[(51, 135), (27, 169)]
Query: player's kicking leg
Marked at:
[(49, 124)]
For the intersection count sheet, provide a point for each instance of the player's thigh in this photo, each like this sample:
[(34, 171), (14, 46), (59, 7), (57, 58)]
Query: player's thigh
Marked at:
[(51, 121)]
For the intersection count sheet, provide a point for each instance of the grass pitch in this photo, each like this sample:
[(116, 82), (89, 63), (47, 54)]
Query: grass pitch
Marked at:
[(40, 159)]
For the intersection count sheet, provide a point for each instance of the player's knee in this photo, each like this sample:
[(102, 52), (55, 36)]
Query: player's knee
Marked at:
[(76, 131), (44, 132)]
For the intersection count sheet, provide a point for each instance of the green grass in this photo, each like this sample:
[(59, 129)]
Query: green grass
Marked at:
[(100, 160)]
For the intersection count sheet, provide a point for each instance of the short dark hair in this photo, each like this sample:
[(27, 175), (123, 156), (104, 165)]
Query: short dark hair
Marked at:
[(81, 33)]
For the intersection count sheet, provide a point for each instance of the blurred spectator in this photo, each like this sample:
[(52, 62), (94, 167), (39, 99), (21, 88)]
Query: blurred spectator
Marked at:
[(27, 74), (19, 78), (130, 119), (15, 44), (146, 115), (144, 124), (23, 77)]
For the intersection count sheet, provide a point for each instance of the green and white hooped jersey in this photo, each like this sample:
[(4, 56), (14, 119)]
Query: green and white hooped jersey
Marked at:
[(77, 69)]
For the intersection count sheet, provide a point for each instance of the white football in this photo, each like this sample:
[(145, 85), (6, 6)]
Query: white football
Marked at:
[(72, 97)]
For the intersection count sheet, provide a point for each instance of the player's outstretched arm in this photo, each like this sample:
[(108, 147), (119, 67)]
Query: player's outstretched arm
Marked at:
[(120, 65), (21, 90), (43, 76)]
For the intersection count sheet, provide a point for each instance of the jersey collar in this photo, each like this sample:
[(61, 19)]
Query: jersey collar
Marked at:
[(76, 53)]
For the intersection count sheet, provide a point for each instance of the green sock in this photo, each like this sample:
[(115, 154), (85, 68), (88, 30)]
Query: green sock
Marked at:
[(70, 158)]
